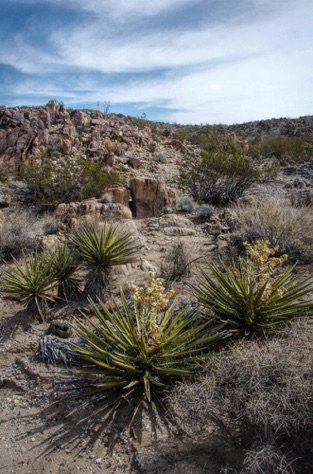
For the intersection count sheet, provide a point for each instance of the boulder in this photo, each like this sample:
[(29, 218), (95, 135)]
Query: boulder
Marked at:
[(150, 197), (90, 210), (178, 231), (120, 196)]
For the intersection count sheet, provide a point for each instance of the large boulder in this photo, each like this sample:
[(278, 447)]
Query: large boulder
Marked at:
[(150, 197)]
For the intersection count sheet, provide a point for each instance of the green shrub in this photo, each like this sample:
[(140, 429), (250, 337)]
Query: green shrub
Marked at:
[(68, 179), (218, 177), (140, 350), (161, 158), (100, 252), (30, 283), (250, 298), (286, 149)]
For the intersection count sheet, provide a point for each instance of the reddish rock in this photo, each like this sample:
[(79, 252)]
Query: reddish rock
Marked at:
[(120, 196), (150, 197), (134, 162)]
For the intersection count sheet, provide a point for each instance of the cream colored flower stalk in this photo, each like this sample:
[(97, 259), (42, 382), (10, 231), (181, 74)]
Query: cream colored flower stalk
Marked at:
[(261, 266), (152, 299)]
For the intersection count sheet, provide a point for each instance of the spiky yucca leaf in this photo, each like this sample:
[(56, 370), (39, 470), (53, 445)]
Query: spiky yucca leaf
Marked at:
[(30, 283), (237, 297), (126, 361), (101, 251), (64, 262)]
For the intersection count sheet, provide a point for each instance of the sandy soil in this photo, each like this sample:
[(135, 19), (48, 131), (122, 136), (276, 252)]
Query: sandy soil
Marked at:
[(38, 432)]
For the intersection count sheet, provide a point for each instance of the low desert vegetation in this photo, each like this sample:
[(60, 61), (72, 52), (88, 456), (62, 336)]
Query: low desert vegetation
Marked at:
[(68, 179), (18, 233), (102, 250), (53, 275), (253, 298), (139, 350), (286, 149), (63, 264), (259, 395), (185, 204), (276, 220), (177, 262), (218, 178), (30, 282)]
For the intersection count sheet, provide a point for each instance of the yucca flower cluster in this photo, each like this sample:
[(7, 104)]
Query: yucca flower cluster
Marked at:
[(152, 299), (251, 297), (260, 265)]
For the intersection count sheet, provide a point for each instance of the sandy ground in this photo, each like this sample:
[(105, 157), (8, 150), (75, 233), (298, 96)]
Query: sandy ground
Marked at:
[(38, 432)]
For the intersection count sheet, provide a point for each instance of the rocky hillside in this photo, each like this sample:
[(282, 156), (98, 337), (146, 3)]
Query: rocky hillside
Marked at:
[(149, 153), (55, 131)]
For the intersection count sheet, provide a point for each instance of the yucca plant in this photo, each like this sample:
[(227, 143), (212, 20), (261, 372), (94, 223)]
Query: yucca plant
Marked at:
[(31, 283), (251, 298), (138, 351), (101, 251), (63, 263)]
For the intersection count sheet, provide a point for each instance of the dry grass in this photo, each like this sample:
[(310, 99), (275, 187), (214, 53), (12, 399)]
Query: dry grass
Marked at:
[(261, 395), (176, 263), (18, 233), (276, 220)]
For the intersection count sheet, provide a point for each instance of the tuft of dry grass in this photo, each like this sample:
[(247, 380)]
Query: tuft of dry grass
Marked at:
[(18, 234), (276, 220), (260, 394), (176, 263)]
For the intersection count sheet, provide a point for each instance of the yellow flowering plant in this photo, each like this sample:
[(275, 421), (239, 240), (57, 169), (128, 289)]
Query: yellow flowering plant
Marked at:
[(138, 350), (152, 299), (255, 296)]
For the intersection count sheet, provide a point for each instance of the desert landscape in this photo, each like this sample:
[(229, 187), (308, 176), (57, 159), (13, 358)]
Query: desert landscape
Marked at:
[(193, 213)]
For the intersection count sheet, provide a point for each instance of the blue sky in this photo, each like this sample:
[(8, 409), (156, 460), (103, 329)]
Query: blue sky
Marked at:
[(185, 61)]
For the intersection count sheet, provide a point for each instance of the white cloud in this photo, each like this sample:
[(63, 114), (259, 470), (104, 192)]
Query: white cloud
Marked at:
[(221, 73)]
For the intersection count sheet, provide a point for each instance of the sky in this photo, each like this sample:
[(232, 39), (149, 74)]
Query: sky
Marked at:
[(184, 61)]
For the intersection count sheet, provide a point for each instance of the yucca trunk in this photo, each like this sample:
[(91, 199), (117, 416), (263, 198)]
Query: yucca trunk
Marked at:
[(68, 290), (97, 283), (39, 308)]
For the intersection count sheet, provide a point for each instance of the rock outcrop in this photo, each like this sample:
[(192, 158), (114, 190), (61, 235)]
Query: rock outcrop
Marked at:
[(150, 197)]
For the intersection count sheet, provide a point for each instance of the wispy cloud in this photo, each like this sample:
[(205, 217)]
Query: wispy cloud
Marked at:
[(196, 61)]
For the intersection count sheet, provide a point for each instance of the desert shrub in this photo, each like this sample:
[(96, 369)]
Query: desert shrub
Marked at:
[(70, 178), (4, 175), (250, 298), (18, 234), (275, 220), (161, 158), (50, 225), (302, 198), (141, 349), (286, 149), (185, 204), (204, 211), (30, 282), (102, 250), (260, 394), (175, 264), (219, 177)]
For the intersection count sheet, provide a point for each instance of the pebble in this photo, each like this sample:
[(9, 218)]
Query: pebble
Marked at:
[(98, 460)]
